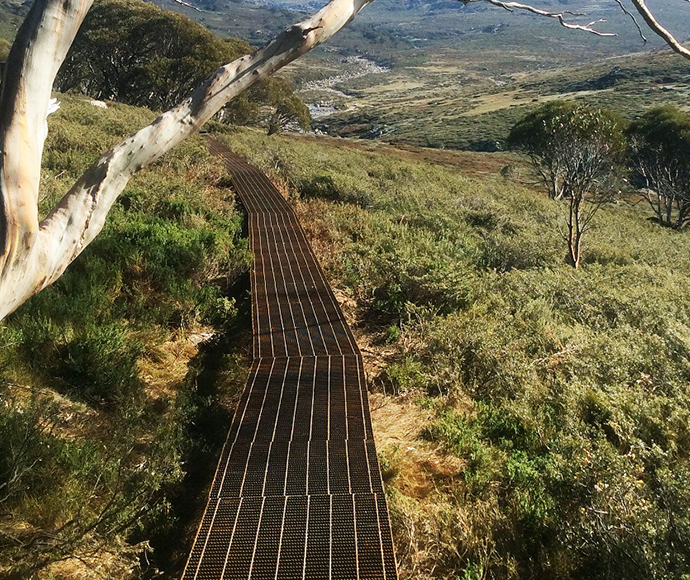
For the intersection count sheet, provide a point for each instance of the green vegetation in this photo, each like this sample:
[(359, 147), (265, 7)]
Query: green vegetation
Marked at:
[(571, 146), (659, 145), (5, 46), (11, 17), (557, 399), (287, 108), (153, 58), (98, 408), (549, 407)]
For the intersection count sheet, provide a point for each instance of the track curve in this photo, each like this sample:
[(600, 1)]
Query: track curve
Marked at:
[(297, 493)]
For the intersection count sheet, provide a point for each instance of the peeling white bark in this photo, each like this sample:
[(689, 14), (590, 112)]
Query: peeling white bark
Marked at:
[(658, 29)]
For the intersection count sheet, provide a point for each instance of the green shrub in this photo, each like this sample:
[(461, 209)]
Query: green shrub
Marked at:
[(325, 186), (100, 364), (75, 495), (405, 376)]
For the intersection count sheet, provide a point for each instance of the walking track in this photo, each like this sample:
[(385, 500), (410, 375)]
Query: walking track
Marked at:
[(297, 493)]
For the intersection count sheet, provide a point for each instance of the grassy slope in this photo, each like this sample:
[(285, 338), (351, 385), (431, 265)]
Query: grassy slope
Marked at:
[(11, 16), (106, 436), (530, 409), (536, 422)]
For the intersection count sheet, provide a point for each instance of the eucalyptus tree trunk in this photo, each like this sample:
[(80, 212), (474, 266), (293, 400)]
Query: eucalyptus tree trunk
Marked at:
[(34, 254), (575, 230)]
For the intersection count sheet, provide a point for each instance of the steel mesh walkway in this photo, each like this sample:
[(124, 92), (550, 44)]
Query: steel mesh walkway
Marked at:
[(297, 493)]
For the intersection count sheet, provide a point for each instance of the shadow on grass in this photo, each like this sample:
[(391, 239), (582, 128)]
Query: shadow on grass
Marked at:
[(215, 381)]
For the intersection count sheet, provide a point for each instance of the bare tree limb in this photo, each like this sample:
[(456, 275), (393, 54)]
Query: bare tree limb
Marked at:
[(632, 17), (560, 16), (658, 29), (188, 5)]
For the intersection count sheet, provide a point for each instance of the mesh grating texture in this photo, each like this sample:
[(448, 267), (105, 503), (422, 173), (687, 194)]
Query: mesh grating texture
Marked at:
[(297, 492)]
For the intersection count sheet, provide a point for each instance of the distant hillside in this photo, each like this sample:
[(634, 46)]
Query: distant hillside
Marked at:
[(457, 104), (397, 30), (250, 22), (444, 74)]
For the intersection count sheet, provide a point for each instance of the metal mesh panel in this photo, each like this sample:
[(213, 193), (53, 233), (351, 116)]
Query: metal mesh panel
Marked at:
[(297, 492)]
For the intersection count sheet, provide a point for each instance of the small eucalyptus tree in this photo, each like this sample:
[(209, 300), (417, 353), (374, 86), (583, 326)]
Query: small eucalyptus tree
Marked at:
[(289, 108), (576, 150), (659, 146)]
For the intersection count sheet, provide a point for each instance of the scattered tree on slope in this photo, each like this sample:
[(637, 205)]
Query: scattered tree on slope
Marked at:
[(289, 107), (576, 150), (660, 154), (271, 102)]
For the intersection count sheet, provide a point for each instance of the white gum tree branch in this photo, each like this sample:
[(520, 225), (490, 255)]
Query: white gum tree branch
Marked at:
[(32, 254), (36, 254), (657, 28), (632, 17)]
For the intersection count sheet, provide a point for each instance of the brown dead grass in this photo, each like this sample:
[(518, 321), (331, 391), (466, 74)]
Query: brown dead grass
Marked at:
[(164, 368), (72, 420), (98, 565), (416, 468), (470, 163), (321, 238)]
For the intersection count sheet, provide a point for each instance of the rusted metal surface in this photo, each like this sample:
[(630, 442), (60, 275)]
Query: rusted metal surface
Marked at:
[(298, 492)]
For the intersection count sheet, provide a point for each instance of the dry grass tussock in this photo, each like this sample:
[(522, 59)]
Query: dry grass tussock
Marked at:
[(423, 483), (96, 565), (415, 467), (164, 367)]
